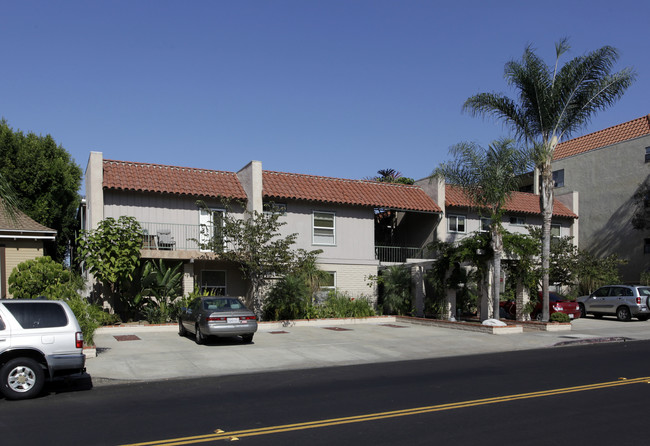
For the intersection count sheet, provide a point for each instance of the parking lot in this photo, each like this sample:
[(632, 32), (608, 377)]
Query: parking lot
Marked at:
[(141, 353)]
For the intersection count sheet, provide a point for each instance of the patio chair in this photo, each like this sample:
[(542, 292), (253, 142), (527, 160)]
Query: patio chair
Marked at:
[(165, 239)]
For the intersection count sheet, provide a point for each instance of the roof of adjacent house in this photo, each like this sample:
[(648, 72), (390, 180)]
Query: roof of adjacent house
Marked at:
[(354, 192), (606, 137), (147, 177), (519, 202), (21, 223)]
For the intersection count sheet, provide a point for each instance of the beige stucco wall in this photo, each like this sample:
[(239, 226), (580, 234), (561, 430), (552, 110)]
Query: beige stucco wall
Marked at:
[(354, 279), (606, 180)]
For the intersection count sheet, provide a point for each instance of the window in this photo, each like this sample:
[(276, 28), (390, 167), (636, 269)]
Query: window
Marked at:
[(518, 221), (456, 223), (323, 228), (213, 282), (485, 224), (558, 178), (326, 285), (271, 207), (38, 315), (556, 230), (647, 154), (211, 221)]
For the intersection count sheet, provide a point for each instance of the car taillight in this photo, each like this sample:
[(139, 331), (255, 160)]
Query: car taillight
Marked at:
[(79, 339), (557, 307), (210, 319), (638, 301), (248, 318)]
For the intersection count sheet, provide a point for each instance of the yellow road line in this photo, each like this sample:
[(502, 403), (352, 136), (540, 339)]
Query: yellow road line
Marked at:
[(384, 415)]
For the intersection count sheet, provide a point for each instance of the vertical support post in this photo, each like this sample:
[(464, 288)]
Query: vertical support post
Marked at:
[(418, 290)]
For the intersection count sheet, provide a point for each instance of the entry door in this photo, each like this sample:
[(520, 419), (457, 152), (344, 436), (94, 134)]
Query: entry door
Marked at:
[(211, 221)]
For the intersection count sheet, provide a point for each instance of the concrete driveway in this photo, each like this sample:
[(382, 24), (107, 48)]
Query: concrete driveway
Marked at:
[(143, 353)]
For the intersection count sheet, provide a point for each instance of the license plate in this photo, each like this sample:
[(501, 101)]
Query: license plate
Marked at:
[(570, 316), (232, 320)]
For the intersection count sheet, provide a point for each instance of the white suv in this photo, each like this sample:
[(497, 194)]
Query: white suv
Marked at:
[(39, 339)]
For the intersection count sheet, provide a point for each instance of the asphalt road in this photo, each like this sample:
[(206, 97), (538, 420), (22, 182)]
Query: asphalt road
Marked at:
[(570, 395)]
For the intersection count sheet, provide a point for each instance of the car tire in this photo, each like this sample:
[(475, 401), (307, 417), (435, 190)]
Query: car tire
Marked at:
[(181, 329), (21, 378), (642, 317), (623, 313), (247, 338), (583, 311), (199, 338)]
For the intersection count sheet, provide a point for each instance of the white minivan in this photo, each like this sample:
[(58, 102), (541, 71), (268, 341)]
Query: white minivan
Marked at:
[(39, 339)]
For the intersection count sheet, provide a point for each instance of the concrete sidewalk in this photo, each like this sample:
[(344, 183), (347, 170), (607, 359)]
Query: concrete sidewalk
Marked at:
[(146, 353)]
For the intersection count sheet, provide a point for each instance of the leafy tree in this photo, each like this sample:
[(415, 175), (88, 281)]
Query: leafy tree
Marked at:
[(112, 252), (45, 181), (256, 244), (552, 104), (488, 176), (7, 199), (593, 272), (391, 176)]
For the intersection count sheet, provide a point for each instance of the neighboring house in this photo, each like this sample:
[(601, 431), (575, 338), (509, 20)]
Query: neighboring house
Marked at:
[(607, 168), (21, 239), (335, 215)]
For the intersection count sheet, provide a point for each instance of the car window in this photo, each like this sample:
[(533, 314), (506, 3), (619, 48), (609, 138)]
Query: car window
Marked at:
[(38, 315), (617, 291), (223, 304), (601, 292), (2, 324), (644, 291), (554, 297)]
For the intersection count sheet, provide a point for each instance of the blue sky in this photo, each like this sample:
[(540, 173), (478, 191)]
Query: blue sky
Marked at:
[(334, 88)]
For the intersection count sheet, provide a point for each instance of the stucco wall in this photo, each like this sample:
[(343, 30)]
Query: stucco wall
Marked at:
[(606, 180)]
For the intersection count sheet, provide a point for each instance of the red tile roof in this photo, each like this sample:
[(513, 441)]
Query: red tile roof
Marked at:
[(147, 177), (606, 137), (354, 192), (519, 202)]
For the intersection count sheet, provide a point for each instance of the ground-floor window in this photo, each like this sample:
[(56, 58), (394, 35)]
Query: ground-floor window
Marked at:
[(213, 282)]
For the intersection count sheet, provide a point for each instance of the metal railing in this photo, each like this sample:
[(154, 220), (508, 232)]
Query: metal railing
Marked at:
[(171, 236), (397, 254)]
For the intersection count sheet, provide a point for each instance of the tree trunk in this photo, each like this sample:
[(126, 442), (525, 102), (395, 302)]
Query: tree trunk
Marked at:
[(546, 198), (497, 248)]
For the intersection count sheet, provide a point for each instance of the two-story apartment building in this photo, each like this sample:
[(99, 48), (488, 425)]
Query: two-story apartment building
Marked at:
[(335, 215), (606, 169)]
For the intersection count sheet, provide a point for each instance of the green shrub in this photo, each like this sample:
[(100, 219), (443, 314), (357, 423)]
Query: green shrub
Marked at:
[(288, 299), (395, 290), (560, 317), (340, 305), (41, 276)]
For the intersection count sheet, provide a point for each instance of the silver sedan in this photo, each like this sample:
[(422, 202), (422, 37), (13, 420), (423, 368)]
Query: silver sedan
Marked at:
[(217, 316)]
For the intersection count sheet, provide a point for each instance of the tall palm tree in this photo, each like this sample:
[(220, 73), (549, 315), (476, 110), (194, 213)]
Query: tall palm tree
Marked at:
[(552, 104), (7, 199), (488, 177)]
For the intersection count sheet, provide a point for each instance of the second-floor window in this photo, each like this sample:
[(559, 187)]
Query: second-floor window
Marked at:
[(456, 223), (558, 178), (324, 228), (485, 224), (517, 221)]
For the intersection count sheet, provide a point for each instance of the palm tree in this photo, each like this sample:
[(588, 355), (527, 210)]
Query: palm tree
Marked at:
[(550, 107), (488, 177), (8, 203)]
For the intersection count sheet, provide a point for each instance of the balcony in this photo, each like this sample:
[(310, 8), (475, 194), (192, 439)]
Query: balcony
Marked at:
[(397, 254)]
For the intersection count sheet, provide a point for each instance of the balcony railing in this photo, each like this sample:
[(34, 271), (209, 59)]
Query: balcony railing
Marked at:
[(174, 236), (397, 254), (171, 236)]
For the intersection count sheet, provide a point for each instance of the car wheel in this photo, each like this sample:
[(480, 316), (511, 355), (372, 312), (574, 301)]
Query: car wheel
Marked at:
[(22, 378), (247, 338), (583, 312), (181, 329), (623, 314), (198, 336), (642, 317)]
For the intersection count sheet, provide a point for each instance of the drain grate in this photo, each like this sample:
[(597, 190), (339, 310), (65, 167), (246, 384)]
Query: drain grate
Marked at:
[(337, 329), (121, 338), (393, 326), (278, 332)]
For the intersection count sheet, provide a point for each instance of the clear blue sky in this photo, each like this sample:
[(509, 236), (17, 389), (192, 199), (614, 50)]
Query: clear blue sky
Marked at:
[(334, 88)]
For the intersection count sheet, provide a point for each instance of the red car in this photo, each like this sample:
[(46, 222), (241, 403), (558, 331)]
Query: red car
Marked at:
[(557, 304)]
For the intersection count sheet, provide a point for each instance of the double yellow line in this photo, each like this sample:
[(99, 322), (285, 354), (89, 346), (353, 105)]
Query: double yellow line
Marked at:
[(235, 435)]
